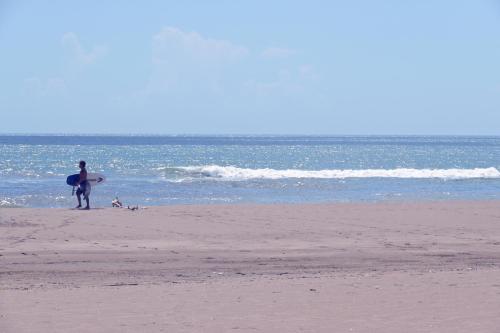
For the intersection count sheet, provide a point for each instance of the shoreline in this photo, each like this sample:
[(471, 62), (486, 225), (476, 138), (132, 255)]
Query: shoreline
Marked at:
[(416, 201), (253, 266)]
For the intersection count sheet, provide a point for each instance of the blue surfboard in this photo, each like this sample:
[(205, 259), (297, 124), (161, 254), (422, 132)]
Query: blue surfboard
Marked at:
[(72, 180)]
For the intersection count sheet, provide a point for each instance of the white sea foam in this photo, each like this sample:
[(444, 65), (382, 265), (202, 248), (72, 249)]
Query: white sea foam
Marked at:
[(235, 173), (8, 202)]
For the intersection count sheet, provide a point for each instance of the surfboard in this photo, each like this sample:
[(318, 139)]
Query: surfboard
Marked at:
[(92, 178)]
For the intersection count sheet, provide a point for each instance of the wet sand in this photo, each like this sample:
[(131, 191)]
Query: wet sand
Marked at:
[(386, 267)]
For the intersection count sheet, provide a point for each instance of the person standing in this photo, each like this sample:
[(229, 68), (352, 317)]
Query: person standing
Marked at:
[(83, 186)]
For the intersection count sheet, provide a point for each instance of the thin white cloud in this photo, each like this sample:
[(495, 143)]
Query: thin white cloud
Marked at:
[(174, 44), (41, 87), (190, 70), (79, 54), (187, 63), (308, 71), (277, 53)]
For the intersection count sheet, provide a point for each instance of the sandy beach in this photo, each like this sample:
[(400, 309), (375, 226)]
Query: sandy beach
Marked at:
[(385, 267)]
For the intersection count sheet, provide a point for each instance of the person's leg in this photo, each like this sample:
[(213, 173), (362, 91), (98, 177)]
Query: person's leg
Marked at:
[(78, 196), (86, 194)]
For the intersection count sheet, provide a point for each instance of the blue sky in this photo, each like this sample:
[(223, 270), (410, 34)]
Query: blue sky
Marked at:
[(250, 67)]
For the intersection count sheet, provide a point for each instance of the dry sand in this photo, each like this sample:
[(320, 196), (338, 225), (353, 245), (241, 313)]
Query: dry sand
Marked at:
[(402, 267)]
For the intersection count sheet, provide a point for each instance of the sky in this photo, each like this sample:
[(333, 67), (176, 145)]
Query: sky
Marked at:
[(250, 67)]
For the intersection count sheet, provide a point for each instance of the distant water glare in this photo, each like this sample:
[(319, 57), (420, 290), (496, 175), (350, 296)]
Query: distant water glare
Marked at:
[(155, 170)]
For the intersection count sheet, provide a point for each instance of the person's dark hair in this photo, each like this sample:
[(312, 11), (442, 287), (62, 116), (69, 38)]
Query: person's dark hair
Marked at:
[(82, 163)]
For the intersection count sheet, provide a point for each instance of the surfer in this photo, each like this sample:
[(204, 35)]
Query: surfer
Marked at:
[(83, 186)]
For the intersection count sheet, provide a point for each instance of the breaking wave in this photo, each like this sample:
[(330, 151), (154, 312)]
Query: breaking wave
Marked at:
[(234, 173), (8, 203)]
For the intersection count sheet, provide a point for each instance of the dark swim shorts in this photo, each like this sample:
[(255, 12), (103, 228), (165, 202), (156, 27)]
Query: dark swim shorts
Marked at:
[(84, 189)]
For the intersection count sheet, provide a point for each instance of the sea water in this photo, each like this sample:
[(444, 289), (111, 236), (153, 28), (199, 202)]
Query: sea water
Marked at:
[(159, 170)]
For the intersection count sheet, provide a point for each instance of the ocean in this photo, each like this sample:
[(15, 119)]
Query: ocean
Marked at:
[(164, 170)]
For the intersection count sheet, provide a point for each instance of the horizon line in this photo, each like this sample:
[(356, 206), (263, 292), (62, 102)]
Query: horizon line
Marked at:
[(239, 135)]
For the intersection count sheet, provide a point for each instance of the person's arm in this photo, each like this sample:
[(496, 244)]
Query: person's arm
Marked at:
[(83, 177)]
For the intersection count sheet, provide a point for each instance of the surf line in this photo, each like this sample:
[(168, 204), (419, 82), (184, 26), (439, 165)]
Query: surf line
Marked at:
[(236, 173)]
